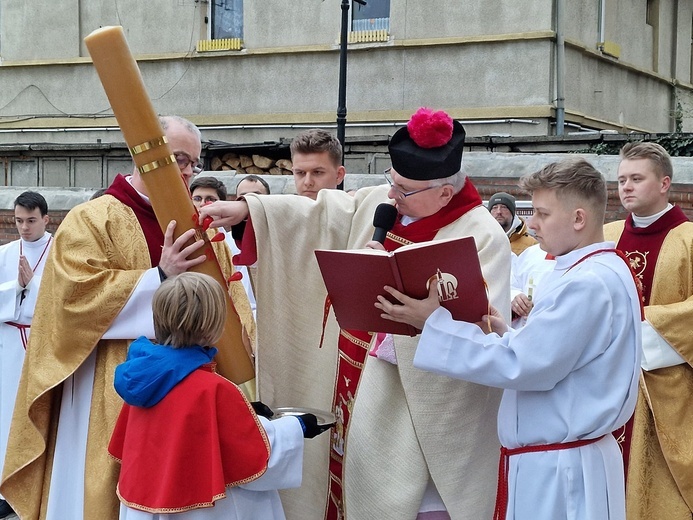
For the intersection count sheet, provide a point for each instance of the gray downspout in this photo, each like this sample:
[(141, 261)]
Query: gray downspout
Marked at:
[(560, 68), (674, 67)]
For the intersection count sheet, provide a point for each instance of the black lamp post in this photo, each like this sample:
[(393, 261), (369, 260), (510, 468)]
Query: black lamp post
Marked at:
[(341, 108)]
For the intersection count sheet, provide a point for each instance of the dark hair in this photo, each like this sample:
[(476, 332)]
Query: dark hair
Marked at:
[(32, 200), (209, 182), (254, 178), (317, 141)]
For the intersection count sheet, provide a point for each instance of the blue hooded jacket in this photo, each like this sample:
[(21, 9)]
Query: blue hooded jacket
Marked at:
[(151, 371)]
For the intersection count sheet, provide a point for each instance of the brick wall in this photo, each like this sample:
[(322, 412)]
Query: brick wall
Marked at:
[(680, 194), (8, 231)]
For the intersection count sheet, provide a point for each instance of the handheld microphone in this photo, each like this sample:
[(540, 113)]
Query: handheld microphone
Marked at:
[(383, 220)]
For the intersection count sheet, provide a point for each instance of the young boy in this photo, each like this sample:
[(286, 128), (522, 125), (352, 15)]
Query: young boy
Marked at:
[(189, 443), (570, 376)]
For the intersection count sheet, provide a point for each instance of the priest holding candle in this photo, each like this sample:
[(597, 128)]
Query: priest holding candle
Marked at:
[(108, 258)]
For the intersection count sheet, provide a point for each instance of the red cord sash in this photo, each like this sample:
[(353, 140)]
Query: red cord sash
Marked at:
[(22, 331), (504, 467)]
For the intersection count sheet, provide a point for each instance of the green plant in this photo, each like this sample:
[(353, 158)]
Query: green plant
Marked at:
[(676, 144)]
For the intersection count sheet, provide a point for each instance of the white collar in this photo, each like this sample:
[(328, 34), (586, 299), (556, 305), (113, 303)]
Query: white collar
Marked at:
[(41, 242), (641, 222)]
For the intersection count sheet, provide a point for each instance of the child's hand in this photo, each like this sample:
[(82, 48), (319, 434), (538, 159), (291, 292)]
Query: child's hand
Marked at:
[(521, 305)]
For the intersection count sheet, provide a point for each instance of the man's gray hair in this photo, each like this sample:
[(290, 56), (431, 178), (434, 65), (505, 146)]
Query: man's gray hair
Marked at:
[(165, 121), (456, 180)]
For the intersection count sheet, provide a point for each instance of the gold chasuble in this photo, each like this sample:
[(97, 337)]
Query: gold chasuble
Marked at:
[(99, 255), (660, 474)]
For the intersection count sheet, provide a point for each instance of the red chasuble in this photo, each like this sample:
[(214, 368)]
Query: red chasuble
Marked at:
[(641, 246), (183, 452), (353, 345)]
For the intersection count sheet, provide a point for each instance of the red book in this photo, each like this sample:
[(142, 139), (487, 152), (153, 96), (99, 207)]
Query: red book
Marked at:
[(354, 278)]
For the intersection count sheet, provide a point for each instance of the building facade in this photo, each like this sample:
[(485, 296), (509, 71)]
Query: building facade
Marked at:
[(255, 71)]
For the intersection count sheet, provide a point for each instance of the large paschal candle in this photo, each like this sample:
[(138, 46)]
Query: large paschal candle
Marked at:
[(166, 188)]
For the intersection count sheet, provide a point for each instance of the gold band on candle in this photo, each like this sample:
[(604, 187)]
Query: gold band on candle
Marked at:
[(145, 168), (159, 141)]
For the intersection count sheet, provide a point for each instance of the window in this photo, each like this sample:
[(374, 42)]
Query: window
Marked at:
[(374, 16), (227, 19)]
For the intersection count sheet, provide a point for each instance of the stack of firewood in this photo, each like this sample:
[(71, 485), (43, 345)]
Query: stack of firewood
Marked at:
[(255, 164)]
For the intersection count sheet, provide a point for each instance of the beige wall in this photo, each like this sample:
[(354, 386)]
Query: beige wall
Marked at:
[(489, 63)]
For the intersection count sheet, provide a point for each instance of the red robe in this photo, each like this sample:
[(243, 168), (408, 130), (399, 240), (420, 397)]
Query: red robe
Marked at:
[(183, 452)]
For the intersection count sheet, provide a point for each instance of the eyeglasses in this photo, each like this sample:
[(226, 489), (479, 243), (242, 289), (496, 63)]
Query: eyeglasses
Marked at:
[(184, 160), (404, 194), (207, 200)]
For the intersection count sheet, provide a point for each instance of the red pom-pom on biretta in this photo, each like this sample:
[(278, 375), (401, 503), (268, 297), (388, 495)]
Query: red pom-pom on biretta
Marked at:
[(429, 129)]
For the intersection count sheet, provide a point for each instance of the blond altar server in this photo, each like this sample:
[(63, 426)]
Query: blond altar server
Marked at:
[(658, 240), (405, 440), (109, 256), (569, 376)]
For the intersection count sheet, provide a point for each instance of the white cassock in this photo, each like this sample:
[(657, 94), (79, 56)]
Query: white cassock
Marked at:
[(570, 374), (135, 319), (18, 308), (259, 499)]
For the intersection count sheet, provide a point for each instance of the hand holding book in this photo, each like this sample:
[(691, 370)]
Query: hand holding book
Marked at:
[(355, 280), (408, 310)]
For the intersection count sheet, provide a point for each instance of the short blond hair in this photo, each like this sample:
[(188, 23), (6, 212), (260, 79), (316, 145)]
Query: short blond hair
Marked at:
[(189, 309), (573, 178), (658, 156)]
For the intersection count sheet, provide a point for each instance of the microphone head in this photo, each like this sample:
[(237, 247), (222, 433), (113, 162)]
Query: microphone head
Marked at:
[(385, 216)]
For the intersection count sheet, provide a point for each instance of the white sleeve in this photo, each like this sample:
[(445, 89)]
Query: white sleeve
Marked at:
[(285, 466), (656, 352), (135, 318), (10, 294), (525, 359)]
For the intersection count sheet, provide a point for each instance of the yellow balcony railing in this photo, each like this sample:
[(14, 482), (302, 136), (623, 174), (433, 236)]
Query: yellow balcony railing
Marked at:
[(221, 44), (380, 35)]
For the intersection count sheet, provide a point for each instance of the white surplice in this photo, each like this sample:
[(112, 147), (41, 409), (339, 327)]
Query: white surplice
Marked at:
[(16, 306), (259, 499), (571, 373), (66, 495)]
